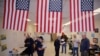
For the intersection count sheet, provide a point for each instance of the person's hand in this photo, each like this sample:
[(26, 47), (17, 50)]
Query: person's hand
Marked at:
[(44, 46)]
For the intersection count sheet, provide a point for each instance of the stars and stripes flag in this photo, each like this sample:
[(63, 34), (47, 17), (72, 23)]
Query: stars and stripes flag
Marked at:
[(15, 14), (81, 15), (49, 16)]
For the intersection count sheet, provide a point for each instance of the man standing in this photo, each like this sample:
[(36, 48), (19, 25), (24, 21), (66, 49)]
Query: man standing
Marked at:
[(57, 46), (84, 46)]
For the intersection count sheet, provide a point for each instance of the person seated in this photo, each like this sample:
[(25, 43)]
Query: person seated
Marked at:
[(95, 47)]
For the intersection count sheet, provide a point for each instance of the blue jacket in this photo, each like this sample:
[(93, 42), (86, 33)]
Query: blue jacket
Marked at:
[(85, 44)]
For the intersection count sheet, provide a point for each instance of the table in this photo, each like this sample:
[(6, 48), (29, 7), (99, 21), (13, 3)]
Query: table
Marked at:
[(18, 51)]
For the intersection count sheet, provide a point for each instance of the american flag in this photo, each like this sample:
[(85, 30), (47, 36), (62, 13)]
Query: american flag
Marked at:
[(15, 14), (49, 16), (81, 15)]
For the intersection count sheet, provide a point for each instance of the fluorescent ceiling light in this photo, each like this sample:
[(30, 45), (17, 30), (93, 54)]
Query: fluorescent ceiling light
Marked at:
[(97, 11), (28, 20), (66, 23)]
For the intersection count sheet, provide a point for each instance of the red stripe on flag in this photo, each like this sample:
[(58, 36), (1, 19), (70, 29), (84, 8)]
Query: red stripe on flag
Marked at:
[(4, 13), (78, 16), (22, 21), (70, 16), (82, 22), (27, 15), (45, 16), (74, 15), (60, 22), (89, 22), (49, 22), (85, 22), (8, 14), (14, 19), (52, 27), (93, 20), (37, 16), (12, 13), (90, 29), (56, 22), (19, 19), (41, 16)]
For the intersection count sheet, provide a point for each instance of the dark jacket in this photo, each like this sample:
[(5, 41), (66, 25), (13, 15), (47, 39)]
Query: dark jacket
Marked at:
[(57, 44), (29, 42), (85, 44), (65, 38)]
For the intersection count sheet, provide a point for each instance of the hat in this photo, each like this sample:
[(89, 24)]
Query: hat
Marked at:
[(41, 37)]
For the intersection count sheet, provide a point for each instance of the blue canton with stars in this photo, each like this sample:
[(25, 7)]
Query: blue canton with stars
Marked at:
[(55, 5), (87, 5), (22, 4)]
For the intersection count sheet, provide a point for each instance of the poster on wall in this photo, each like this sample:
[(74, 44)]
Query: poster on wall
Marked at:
[(3, 47), (2, 37), (95, 40), (96, 30), (93, 35)]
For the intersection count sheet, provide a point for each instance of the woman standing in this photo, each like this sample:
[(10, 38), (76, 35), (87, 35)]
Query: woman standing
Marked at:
[(64, 39)]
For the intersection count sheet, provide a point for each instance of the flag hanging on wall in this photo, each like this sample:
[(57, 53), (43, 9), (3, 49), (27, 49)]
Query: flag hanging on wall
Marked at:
[(15, 14), (49, 16), (81, 15)]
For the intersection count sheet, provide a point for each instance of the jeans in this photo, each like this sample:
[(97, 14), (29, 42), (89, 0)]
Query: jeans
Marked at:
[(84, 53), (64, 48), (75, 51), (40, 53)]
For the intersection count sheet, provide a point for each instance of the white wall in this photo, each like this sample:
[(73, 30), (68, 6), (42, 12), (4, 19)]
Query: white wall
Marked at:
[(14, 39), (46, 37)]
